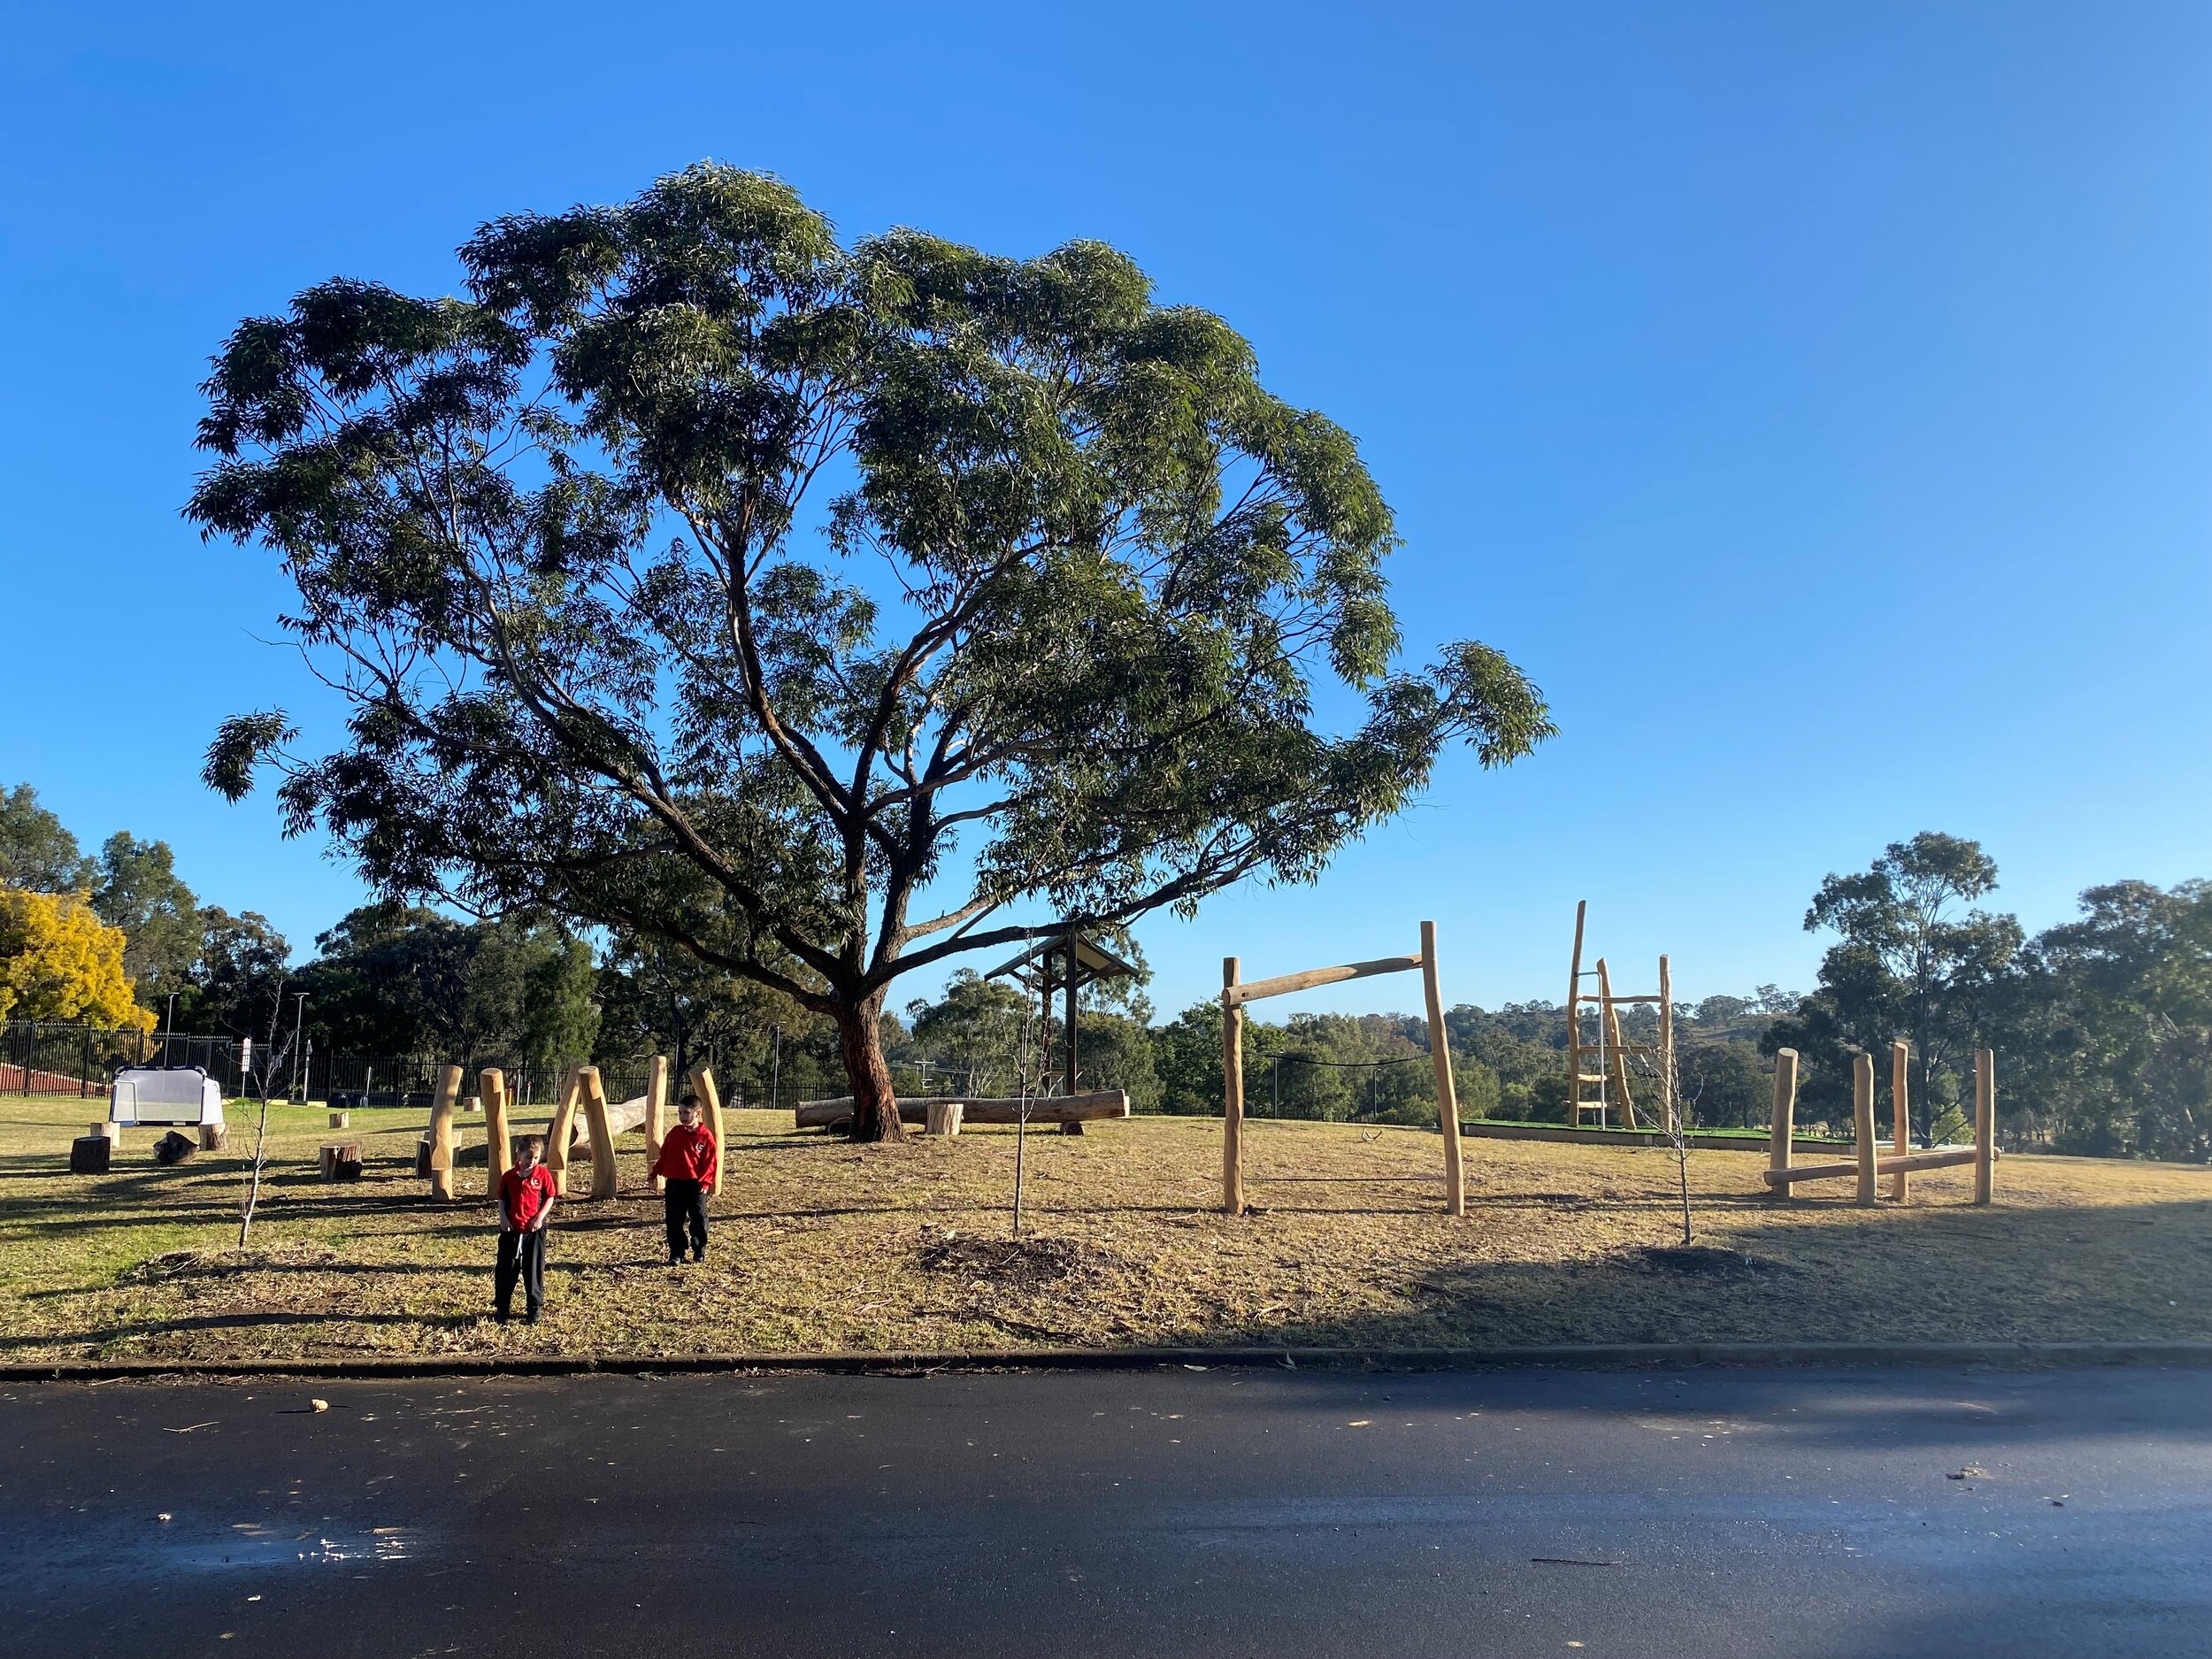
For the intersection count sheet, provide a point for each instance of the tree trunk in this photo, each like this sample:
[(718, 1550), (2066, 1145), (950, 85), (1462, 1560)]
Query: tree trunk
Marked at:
[(860, 1044)]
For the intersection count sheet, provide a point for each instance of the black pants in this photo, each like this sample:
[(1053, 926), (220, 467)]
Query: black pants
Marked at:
[(521, 1256), (685, 1205)]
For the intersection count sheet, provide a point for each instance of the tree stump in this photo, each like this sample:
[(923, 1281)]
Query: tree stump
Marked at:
[(342, 1160), (944, 1118), (342, 1120), (110, 1132), (214, 1137), (89, 1154), (174, 1148)]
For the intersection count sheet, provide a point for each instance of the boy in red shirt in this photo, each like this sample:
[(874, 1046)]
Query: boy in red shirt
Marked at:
[(687, 1164), (526, 1193)]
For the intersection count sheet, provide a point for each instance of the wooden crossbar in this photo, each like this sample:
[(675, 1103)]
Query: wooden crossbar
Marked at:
[(1284, 984)]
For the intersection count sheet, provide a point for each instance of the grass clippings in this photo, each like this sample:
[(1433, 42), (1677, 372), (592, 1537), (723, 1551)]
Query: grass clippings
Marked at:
[(820, 1244)]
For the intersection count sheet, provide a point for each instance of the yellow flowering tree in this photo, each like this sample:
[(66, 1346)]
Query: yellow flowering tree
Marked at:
[(59, 961)]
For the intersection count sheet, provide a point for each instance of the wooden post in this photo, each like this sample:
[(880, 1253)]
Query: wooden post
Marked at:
[(604, 1183), (1447, 1093), (656, 1115), (563, 1129), (710, 1106), (499, 1150), (1616, 1063), (1574, 1026), (1232, 1094), (441, 1130), (1984, 1122), (1785, 1112), (1900, 1115), (1668, 1104), (1863, 1121)]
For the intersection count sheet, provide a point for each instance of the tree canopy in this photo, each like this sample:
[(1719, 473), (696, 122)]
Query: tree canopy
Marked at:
[(702, 576), (37, 853), (1912, 960), (59, 961)]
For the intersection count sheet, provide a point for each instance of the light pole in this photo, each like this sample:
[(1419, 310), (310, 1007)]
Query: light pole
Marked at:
[(299, 1019)]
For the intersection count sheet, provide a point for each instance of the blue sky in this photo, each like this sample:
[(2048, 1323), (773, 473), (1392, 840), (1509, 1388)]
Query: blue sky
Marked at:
[(1815, 399)]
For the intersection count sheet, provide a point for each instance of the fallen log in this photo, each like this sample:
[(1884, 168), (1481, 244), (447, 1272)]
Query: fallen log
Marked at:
[(1942, 1158), (627, 1117), (1063, 1108)]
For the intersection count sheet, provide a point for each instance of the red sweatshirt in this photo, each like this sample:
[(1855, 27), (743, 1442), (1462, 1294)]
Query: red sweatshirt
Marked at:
[(687, 1154)]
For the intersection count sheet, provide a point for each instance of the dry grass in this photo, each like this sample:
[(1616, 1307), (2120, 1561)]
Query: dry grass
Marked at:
[(819, 1244)]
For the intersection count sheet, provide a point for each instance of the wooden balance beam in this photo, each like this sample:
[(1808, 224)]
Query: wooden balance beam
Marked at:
[(1062, 1109), (1938, 1158), (1868, 1165)]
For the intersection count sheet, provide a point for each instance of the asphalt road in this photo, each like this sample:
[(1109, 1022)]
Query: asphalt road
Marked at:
[(1218, 1512)]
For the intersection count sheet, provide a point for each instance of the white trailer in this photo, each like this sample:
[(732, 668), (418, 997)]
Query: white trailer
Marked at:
[(171, 1097)]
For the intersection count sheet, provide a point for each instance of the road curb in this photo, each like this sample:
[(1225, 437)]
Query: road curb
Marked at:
[(1578, 1356)]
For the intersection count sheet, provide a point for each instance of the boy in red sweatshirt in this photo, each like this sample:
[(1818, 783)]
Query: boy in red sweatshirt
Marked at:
[(526, 1203), (687, 1164)]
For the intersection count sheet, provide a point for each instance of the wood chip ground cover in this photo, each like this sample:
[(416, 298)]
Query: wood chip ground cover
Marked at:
[(819, 1244)]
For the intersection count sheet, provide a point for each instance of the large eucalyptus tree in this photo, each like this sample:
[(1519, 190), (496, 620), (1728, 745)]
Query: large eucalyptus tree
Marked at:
[(700, 576)]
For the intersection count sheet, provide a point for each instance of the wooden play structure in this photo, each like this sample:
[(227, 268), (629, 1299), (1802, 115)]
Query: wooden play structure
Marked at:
[(1067, 960), (1868, 1165), (1235, 993), (584, 1129), (1615, 1057)]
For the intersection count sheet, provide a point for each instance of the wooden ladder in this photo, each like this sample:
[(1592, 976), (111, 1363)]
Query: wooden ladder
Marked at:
[(1610, 1077)]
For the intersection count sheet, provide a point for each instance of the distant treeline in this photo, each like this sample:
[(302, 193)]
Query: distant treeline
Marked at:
[(2103, 1024)]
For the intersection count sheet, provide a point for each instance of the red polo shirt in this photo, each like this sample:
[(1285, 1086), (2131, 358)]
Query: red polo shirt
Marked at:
[(687, 1154), (524, 1196)]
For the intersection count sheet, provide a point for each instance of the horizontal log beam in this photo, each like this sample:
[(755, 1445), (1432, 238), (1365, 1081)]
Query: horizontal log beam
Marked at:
[(1942, 1158), (1061, 1109), (1284, 984), (623, 1117)]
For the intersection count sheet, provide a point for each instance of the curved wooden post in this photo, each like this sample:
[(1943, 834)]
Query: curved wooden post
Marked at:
[(710, 1108), (441, 1130), (1984, 1124), (1232, 1092), (604, 1176), (1785, 1132), (1447, 1093), (562, 1128), (1900, 1115), (656, 1114), (1863, 1121), (499, 1156)]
